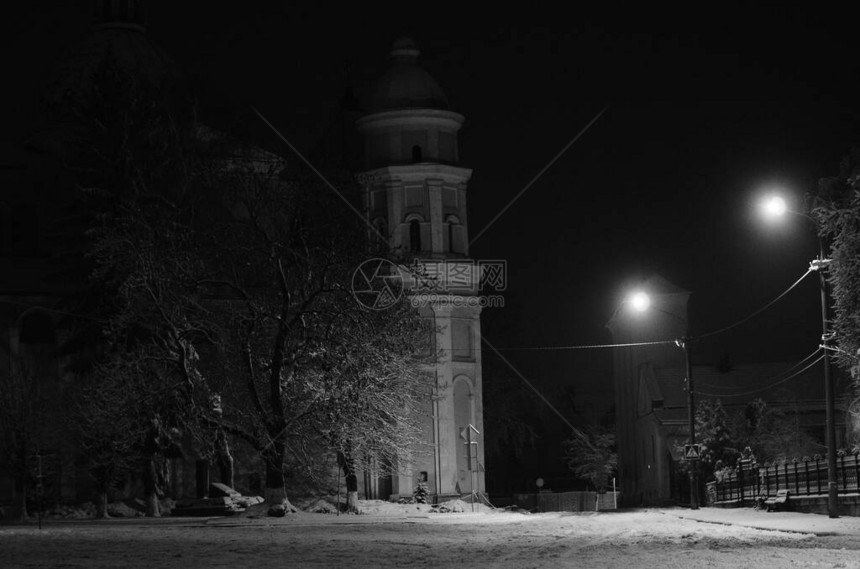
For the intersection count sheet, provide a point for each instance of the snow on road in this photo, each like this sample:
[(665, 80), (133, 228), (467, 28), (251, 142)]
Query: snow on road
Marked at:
[(411, 537)]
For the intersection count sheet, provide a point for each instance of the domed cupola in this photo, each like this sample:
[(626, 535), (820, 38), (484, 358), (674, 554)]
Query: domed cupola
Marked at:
[(409, 120), (406, 85)]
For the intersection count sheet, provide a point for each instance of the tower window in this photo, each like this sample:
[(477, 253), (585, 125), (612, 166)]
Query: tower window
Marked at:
[(414, 235), (452, 222), (416, 154)]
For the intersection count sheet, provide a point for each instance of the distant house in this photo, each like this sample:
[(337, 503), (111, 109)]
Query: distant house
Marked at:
[(652, 412)]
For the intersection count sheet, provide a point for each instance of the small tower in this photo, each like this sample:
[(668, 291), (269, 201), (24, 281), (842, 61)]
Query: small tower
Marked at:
[(415, 195)]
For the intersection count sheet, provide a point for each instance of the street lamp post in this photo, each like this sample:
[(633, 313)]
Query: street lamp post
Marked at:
[(775, 207), (829, 396)]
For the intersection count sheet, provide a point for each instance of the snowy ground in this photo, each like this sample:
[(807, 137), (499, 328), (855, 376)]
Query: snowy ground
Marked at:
[(390, 535)]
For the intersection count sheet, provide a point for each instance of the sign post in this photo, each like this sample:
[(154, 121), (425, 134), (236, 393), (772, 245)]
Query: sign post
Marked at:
[(471, 457)]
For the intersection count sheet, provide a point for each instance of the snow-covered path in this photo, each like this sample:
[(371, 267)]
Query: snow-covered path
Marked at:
[(633, 539)]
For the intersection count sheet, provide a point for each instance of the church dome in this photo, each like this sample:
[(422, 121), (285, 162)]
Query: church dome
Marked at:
[(117, 39), (116, 48), (406, 85)]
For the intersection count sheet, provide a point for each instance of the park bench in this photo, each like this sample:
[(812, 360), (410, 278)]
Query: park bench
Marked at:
[(780, 501)]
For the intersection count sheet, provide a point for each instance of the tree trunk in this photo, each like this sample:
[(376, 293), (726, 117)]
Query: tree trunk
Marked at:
[(101, 505), (150, 488), (276, 490), (348, 464), (225, 459), (352, 494), (201, 470)]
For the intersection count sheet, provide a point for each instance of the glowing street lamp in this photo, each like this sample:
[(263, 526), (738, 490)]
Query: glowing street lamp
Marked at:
[(641, 301), (775, 207)]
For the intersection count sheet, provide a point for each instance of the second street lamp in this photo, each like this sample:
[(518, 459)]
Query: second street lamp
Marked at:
[(773, 207)]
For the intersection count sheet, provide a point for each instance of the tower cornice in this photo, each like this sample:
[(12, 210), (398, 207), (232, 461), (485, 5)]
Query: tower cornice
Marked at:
[(407, 172), (410, 117)]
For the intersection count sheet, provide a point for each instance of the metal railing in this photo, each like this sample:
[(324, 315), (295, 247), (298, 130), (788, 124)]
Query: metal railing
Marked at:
[(801, 477)]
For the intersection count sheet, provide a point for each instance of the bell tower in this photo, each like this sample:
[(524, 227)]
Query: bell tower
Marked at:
[(411, 147), (415, 195)]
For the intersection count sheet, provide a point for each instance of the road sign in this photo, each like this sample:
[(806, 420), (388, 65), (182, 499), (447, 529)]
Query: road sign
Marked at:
[(465, 434), (692, 452)]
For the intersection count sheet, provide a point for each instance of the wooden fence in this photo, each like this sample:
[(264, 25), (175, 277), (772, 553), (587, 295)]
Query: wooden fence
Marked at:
[(568, 501)]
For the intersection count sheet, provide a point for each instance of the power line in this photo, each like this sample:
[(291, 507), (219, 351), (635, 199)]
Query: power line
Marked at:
[(661, 342), (762, 388), (789, 370), (576, 432), (584, 346), (757, 312)]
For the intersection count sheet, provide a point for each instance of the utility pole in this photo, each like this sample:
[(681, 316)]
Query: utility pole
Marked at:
[(829, 407), (691, 412)]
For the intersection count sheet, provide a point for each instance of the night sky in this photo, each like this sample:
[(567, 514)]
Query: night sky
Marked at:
[(704, 109)]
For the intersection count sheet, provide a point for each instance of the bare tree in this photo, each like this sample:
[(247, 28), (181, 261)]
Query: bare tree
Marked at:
[(239, 285), (227, 271), (591, 455)]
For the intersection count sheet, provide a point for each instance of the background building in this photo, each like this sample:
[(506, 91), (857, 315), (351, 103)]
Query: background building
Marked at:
[(652, 418)]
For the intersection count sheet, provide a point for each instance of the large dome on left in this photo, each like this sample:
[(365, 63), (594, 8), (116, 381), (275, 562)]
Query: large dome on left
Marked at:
[(118, 38), (117, 42)]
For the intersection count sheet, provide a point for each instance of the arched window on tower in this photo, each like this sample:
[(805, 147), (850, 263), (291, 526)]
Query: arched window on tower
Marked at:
[(416, 154), (414, 235)]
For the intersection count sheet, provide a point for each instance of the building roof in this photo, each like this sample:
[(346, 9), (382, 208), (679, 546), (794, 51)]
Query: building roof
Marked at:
[(406, 85), (664, 390)]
